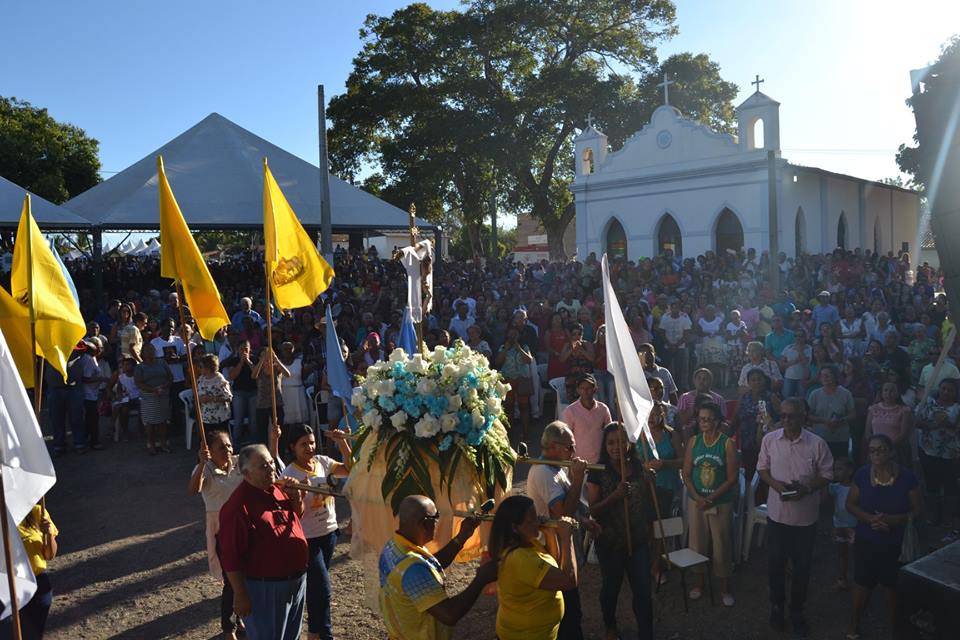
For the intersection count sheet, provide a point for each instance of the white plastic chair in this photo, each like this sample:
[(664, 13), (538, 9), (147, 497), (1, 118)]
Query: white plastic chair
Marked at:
[(537, 373), (186, 397), (559, 386), (755, 514), (684, 558)]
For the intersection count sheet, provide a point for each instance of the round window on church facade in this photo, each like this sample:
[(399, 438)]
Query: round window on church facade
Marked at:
[(664, 138)]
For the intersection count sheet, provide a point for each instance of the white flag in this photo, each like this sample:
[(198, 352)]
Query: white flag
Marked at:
[(623, 363), (25, 583), (27, 469)]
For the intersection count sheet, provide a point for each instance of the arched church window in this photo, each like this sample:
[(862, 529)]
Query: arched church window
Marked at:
[(587, 162), (800, 233), (668, 236), (877, 238), (842, 231), (729, 231), (616, 240), (758, 134)]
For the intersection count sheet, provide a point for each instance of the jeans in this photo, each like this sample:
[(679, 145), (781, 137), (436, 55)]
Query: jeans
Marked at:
[(66, 403), (33, 615), (318, 585), (795, 544), (792, 388), (244, 406), (276, 609), (606, 392), (613, 564)]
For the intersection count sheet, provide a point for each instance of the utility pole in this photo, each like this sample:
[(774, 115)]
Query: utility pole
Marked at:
[(326, 225)]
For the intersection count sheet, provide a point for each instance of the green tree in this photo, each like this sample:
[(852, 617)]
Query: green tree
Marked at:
[(908, 158), (52, 159), (447, 104)]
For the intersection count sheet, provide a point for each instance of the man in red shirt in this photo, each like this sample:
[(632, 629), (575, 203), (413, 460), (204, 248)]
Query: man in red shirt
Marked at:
[(263, 550)]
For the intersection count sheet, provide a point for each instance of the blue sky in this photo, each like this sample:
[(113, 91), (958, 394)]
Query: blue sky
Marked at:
[(135, 74)]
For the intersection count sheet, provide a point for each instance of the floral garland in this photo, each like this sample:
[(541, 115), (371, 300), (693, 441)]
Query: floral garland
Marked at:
[(440, 407)]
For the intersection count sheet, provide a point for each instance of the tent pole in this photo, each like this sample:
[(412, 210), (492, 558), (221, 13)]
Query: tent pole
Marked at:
[(98, 267), (326, 224)]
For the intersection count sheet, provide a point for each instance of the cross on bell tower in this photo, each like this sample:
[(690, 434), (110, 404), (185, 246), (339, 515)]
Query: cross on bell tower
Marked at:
[(758, 82), (666, 88), (589, 119)]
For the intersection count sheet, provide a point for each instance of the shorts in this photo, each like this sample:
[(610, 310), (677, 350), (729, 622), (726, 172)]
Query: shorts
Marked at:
[(875, 563), (844, 535)]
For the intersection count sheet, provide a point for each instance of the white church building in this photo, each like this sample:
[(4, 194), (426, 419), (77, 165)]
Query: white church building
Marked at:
[(676, 184)]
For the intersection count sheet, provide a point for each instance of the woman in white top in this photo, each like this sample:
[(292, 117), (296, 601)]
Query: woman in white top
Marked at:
[(851, 333), (295, 407), (319, 518), (126, 397), (215, 478), (215, 394)]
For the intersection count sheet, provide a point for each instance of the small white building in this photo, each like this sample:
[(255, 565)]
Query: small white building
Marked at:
[(676, 184)]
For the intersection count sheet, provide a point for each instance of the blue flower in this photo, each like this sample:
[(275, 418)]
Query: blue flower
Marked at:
[(436, 405), (472, 381), (368, 406), (446, 442), (466, 422), (474, 438), (398, 370), (387, 403), (412, 406)]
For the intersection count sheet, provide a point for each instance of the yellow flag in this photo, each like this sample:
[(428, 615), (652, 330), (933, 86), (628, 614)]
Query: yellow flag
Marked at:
[(59, 324), (15, 324), (298, 273), (180, 259)]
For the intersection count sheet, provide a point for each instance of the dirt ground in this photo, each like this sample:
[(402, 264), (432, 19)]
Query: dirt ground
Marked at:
[(132, 565)]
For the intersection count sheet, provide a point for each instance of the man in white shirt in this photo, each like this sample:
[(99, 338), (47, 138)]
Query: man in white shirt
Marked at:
[(461, 322), (555, 492), (675, 327)]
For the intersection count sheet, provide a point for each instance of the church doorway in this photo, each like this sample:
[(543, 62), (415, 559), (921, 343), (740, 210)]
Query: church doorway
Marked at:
[(729, 232), (842, 231), (616, 240), (800, 233), (668, 236)]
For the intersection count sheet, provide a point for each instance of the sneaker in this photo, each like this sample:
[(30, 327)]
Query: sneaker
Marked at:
[(696, 593), (777, 621), (727, 599)]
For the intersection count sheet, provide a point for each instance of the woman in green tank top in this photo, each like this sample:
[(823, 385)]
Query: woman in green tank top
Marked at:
[(710, 471)]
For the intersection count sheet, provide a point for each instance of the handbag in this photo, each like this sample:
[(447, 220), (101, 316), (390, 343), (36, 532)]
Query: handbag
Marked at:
[(910, 547)]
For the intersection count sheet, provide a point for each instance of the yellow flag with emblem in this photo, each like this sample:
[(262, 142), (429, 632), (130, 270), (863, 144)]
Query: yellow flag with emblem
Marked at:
[(15, 324), (37, 279), (180, 259), (297, 271)]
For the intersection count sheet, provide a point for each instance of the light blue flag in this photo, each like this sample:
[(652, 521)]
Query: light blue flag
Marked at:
[(408, 335), (66, 274), (337, 375)]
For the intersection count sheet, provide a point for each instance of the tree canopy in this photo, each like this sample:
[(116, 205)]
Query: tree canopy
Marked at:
[(908, 157), (51, 159), (446, 104)]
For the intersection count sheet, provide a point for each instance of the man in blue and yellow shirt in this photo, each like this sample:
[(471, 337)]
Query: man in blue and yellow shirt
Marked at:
[(413, 601)]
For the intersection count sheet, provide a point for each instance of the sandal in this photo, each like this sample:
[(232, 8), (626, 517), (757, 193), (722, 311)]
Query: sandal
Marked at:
[(696, 593)]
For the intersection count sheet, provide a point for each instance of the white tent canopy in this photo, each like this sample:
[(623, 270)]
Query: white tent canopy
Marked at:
[(47, 214), (216, 171), (153, 247)]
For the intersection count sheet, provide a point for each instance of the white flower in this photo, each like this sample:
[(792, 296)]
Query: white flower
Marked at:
[(387, 388), (465, 368), (503, 389), (398, 355), (472, 398), (453, 402), (375, 368), (417, 365), (493, 405), (439, 354), (426, 386), (357, 398), (427, 427), (448, 422), (450, 371), (373, 388), (477, 418), (399, 420), (373, 419)]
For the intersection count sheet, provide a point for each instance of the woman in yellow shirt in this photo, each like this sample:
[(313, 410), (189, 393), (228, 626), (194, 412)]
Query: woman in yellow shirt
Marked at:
[(530, 579), (33, 615)]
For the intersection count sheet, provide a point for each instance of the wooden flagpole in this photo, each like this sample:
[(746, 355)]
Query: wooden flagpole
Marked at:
[(8, 556), (653, 492), (201, 432), (623, 478), (273, 385)]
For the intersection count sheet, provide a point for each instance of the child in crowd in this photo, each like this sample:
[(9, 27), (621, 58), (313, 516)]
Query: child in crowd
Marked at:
[(843, 521)]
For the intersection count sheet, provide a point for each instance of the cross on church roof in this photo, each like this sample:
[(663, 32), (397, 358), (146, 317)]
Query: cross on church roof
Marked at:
[(758, 82), (666, 88), (589, 119)]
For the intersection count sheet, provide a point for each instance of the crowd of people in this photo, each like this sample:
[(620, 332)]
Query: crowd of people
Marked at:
[(827, 386)]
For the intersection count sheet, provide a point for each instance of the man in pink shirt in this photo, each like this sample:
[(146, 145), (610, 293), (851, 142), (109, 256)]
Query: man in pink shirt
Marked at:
[(586, 418), (796, 464)]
